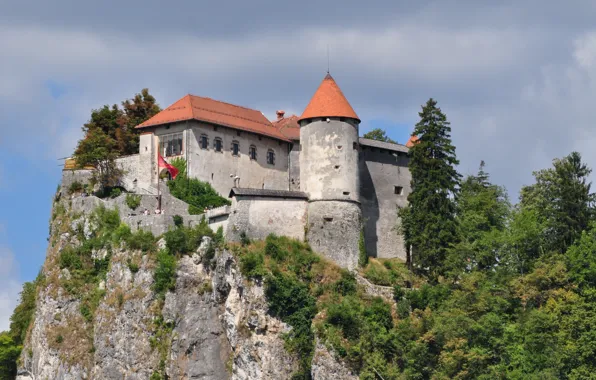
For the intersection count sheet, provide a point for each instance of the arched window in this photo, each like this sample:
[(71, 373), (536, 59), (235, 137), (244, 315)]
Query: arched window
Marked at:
[(252, 152), (271, 157)]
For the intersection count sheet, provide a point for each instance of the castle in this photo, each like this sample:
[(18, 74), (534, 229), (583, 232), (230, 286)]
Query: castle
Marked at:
[(310, 177)]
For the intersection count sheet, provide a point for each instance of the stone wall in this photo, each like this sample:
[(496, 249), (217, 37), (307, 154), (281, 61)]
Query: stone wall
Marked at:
[(329, 160), (333, 230), (130, 171), (381, 171), (295, 167), (71, 176), (261, 216)]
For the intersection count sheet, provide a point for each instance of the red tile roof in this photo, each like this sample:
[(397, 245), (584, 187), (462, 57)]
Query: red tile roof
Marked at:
[(289, 127), (413, 139), (193, 107), (329, 101)]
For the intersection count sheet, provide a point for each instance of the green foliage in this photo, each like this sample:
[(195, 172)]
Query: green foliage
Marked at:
[(198, 194), (244, 240), (23, 314), (362, 255), (178, 220), (133, 201), (379, 135), (9, 353), (562, 199), (429, 222), (165, 273), (115, 192), (100, 152), (75, 187), (218, 239), (118, 124)]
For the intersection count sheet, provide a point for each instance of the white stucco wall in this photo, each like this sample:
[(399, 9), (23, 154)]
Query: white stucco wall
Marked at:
[(261, 216)]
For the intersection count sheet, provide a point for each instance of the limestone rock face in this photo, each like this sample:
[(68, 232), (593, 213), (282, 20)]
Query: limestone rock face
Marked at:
[(213, 325)]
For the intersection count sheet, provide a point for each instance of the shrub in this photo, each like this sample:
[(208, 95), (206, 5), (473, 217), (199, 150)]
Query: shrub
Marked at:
[(122, 233), (346, 315), (141, 240), (244, 240), (178, 220), (59, 339), (133, 201), (198, 194), (134, 267), (176, 241), (346, 284), (252, 264), (115, 192), (69, 259), (362, 254), (165, 273), (218, 239), (75, 187)]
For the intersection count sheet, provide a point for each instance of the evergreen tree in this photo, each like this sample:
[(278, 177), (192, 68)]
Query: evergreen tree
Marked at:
[(562, 199), (429, 224)]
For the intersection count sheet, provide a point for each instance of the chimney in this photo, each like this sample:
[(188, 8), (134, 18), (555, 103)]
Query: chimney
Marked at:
[(280, 114)]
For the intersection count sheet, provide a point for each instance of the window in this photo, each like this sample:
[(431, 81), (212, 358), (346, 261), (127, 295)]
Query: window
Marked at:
[(271, 157), (252, 152), (170, 145), (235, 148), (218, 144), (355, 145), (398, 190), (204, 143)]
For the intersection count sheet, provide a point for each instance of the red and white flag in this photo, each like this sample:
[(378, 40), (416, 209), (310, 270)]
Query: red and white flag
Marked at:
[(163, 164)]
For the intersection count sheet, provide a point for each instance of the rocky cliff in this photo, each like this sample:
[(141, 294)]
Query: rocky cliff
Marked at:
[(100, 313)]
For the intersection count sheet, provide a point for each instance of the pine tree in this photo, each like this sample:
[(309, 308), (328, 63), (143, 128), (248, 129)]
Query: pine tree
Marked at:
[(562, 199), (429, 222)]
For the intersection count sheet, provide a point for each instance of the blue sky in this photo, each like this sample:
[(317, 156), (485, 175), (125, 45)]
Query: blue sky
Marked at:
[(517, 84)]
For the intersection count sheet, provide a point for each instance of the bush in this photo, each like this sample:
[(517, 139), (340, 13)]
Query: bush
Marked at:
[(252, 264), (75, 187), (178, 220), (116, 192), (141, 240), (133, 201), (134, 267), (346, 315), (244, 240), (198, 194), (165, 273), (176, 241), (346, 285), (218, 239)]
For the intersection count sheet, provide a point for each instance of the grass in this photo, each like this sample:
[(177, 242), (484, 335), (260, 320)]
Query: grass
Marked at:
[(388, 272)]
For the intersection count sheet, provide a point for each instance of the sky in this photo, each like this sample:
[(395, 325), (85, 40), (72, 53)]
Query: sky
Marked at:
[(517, 81)]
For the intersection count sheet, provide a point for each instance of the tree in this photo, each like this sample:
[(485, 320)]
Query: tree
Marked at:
[(119, 124), (9, 353), (482, 213), (429, 224), (379, 135), (562, 199), (99, 150)]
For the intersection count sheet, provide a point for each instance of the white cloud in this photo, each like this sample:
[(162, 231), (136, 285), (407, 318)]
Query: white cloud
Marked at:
[(9, 286)]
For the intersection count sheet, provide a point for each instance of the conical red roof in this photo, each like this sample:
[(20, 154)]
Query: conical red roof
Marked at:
[(413, 140), (328, 101)]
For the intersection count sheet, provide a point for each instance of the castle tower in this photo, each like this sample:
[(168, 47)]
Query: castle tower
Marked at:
[(329, 174)]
